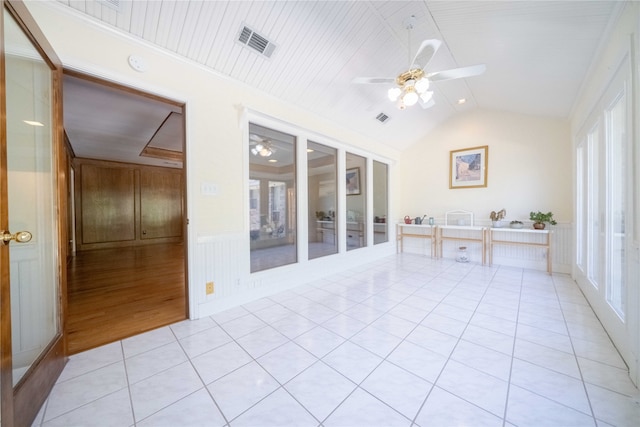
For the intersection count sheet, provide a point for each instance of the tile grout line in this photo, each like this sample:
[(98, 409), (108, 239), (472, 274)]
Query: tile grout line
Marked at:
[(459, 338), (513, 354), (582, 379)]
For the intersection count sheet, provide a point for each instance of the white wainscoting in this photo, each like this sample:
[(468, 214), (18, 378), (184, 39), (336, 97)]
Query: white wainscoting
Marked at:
[(225, 260)]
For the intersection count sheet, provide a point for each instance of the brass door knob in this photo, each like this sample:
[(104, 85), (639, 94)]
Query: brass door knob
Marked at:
[(20, 237)]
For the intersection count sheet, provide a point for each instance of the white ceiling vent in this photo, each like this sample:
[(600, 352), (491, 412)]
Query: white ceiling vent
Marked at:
[(382, 118), (255, 41), (113, 4)]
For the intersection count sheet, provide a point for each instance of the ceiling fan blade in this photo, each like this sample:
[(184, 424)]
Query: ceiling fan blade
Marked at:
[(457, 73), (425, 52), (373, 80), (430, 103)]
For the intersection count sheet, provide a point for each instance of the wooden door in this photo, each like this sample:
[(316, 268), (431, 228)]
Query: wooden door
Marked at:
[(32, 218), (161, 210)]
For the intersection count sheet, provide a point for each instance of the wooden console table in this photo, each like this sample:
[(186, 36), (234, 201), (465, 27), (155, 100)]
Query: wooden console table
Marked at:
[(544, 244), (411, 230), (474, 234)]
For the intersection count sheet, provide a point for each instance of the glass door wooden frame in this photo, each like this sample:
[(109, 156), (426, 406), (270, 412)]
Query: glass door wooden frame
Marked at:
[(20, 404)]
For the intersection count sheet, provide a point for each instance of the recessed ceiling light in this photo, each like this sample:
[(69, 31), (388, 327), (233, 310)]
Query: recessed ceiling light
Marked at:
[(462, 101), (32, 123), (273, 161), (310, 150)]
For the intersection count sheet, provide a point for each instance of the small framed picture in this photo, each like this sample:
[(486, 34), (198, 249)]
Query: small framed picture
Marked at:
[(353, 181), (468, 167)]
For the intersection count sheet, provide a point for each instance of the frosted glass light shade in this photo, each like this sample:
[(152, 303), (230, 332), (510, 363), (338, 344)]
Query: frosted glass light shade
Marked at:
[(394, 93), (422, 85), (410, 98)]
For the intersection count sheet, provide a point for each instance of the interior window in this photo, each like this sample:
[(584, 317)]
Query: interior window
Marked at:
[(380, 202), (356, 206), (322, 195), (272, 198)]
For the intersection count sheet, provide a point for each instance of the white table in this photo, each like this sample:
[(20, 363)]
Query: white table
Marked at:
[(507, 236), (421, 231), (473, 234)]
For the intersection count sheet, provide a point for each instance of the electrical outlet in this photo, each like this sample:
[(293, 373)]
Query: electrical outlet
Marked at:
[(209, 288)]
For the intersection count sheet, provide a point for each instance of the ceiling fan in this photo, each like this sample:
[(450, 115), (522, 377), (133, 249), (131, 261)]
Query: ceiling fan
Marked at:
[(261, 146), (412, 86)]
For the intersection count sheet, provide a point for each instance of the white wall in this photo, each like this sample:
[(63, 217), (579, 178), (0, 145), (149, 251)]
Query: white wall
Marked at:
[(216, 149), (529, 167)]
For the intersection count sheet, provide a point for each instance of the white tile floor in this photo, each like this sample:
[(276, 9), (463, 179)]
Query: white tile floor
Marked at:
[(407, 341)]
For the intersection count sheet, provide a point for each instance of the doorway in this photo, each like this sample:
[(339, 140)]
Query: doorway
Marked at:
[(127, 272)]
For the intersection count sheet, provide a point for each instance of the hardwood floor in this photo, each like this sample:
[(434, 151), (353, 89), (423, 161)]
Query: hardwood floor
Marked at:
[(116, 293)]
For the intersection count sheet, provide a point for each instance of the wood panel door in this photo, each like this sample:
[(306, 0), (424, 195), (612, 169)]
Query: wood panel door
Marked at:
[(32, 218), (161, 209), (108, 204)]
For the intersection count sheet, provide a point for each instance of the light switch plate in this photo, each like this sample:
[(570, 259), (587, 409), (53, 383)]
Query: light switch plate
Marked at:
[(209, 189)]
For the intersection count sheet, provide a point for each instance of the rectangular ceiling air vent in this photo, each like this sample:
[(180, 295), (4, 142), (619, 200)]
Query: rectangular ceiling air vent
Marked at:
[(113, 4), (255, 41), (382, 117)]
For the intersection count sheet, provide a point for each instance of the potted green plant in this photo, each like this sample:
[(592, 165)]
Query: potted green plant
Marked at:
[(539, 219), (516, 224)]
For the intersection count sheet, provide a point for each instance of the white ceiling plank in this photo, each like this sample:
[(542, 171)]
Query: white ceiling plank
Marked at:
[(79, 5), (202, 47), (225, 45), (342, 73), (289, 23), (123, 19), (94, 9), (200, 31), (180, 23), (294, 48), (190, 27), (280, 33), (164, 30), (319, 48), (151, 20), (255, 18), (255, 64), (254, 67), (109, 14), (138, 18)]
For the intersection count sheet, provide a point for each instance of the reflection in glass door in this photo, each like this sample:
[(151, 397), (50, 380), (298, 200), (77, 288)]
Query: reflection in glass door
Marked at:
[(272, 198), (31, 181), (356, 232), (322, 199), (380, 202)]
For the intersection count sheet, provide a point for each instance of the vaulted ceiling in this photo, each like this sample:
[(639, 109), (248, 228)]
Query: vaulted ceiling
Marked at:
[(537, 53)]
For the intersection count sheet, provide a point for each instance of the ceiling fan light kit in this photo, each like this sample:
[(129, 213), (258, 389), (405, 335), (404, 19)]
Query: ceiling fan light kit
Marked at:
[(264, 150), (413, 85)]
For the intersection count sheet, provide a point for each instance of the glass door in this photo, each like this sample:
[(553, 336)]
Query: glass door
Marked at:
[(605, 213), (31, 200), (30, 239)]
